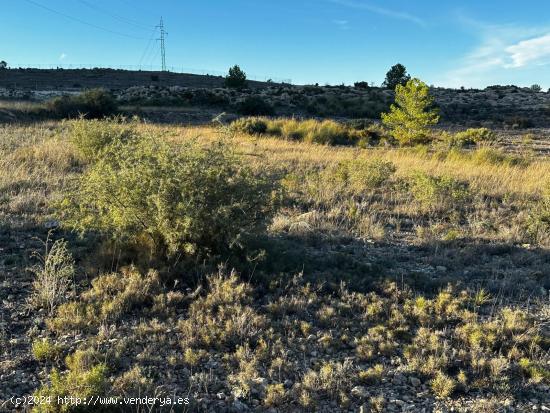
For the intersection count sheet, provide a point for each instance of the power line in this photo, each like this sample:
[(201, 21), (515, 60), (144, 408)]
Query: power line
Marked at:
[(154, 57), (67, 16), (147, 50), (115, 16)]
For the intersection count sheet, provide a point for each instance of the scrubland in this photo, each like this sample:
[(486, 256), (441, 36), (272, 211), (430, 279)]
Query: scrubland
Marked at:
[(296, 267)]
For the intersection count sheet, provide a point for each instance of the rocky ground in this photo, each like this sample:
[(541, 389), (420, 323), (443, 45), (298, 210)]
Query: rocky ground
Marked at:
[(330, 321)]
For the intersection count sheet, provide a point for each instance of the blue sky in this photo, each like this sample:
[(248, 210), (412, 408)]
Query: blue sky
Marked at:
[(445, 43)]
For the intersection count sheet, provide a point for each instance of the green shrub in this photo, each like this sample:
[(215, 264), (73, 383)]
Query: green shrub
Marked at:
[(86, 377), (438, 192), (255, 106), (250, 126), (534, 372), (474, 136), (236, 78), (364, 175), (93, 103), (187, 199), (359, 175), (91, 136), (44, 349)]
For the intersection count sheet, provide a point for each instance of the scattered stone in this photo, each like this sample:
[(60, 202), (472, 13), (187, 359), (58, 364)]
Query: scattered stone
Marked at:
[(415, 381), (360, 391)]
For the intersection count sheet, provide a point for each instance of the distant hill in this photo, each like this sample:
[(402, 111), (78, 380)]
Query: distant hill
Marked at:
[(494, 106), (73, 79)]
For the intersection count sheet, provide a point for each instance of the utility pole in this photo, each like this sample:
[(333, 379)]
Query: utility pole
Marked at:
[(162, 44)]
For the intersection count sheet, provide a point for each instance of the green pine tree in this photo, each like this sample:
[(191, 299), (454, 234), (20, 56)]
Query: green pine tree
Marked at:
[(410, 118)]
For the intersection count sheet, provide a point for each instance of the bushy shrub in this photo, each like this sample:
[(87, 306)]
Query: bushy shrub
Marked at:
[(250, 126), (91, 136), (93, 103), (326, 132), (443, 385), (364, 175), (472, 137), (255, 106), (438, 192), (359, 175), (189, 199), (45, 349), (86, 377)]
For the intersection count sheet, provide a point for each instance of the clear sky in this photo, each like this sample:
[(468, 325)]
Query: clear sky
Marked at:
[(472, 43)]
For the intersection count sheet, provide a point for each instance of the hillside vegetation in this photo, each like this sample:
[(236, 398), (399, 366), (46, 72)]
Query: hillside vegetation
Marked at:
[(274, 265)]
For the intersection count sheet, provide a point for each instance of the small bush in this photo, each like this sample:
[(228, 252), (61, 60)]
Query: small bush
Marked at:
[(332, 379), (438, 192), (91, 136), (86, 377), (443, 385), (473, 137), (373, 375), (536, 373), (255, 106), (275, 395), (94, 103), (368, 175), (53, 276), (190, 199), (111, 296), (133, 383), (44, 349), (250, 126)]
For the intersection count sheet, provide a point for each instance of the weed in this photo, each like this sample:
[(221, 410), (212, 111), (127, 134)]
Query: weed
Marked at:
[(53, 276)]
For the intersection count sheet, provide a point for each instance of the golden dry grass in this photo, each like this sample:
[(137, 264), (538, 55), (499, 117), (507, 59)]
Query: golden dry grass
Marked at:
[(488, 178)]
